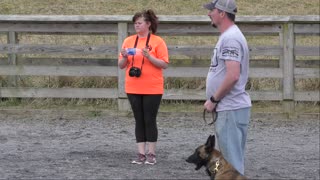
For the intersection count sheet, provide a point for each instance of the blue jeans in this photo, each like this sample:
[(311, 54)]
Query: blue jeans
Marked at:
[(231, 130)]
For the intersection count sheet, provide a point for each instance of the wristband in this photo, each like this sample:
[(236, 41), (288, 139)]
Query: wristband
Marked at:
[(213, 100)]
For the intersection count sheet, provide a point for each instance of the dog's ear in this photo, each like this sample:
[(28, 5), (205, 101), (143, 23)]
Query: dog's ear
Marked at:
[(213, 141), (210, 143), (208, 140)]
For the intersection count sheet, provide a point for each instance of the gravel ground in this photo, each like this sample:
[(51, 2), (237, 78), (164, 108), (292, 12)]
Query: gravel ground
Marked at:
[(53, 144)]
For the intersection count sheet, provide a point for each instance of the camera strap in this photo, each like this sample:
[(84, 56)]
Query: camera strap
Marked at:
[(135, 45)]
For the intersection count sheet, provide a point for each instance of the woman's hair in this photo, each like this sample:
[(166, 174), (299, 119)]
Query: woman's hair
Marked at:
[(149, 16)]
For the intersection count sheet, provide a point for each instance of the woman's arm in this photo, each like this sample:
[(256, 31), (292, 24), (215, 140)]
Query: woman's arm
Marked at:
[(155, 61), (124, 61)]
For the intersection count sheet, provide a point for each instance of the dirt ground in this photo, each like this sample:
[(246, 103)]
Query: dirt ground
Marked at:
[(55, 144)]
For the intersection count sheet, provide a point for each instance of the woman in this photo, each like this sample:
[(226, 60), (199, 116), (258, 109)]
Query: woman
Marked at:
[(144, 55)]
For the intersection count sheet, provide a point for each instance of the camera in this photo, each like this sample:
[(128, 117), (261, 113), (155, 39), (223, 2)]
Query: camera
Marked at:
[(134, 72)]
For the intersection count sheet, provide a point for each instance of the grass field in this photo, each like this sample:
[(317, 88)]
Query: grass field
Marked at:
[(164, 7)]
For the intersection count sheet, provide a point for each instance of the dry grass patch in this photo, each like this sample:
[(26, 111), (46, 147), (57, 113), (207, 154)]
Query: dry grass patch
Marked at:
[(81, 39), (165, 7), (308, 40)]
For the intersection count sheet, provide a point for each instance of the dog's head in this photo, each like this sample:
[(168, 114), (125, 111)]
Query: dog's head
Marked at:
[(202, 154)]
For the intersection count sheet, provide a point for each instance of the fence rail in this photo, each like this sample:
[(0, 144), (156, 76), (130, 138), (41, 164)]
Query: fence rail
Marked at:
[(286, 28)]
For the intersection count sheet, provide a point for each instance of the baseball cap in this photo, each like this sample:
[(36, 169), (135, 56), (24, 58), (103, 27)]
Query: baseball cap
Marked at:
[(224, 5)]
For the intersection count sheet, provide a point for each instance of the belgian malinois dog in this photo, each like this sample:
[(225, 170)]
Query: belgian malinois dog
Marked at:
[(216, 166)]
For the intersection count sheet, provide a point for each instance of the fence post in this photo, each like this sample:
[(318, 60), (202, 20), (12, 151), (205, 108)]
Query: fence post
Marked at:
[(12, 58), (288, 68), (123, 104)]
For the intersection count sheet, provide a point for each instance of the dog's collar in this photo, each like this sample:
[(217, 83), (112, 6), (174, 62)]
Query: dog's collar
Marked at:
[(216, 168)]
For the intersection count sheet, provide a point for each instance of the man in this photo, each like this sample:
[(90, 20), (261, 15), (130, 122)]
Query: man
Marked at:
[(226, 81)]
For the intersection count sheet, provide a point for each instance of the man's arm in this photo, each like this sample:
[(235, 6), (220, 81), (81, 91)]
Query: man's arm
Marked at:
[(231, 78)]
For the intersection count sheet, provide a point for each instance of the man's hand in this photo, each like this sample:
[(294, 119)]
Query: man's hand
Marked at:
[(209, 106)]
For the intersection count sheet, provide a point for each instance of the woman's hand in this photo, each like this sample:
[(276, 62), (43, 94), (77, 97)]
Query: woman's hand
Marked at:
[(123, 62), (124, 53), (145, 53)]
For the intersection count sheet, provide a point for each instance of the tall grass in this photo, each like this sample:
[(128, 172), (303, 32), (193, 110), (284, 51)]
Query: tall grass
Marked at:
[(165, 7)]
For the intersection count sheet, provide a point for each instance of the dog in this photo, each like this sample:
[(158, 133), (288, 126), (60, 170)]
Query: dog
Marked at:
[(216, 166)]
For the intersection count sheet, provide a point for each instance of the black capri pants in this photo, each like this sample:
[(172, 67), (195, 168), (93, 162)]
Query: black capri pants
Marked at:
[(145, 109)]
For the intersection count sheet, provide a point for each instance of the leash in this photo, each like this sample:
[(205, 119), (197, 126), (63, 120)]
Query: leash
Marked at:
[(214, 116)]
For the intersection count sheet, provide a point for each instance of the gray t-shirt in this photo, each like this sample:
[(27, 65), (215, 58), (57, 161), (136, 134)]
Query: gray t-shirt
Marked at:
[(232, 45)]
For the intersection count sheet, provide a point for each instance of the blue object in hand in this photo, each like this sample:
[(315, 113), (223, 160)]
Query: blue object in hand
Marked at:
[(131, 51)]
